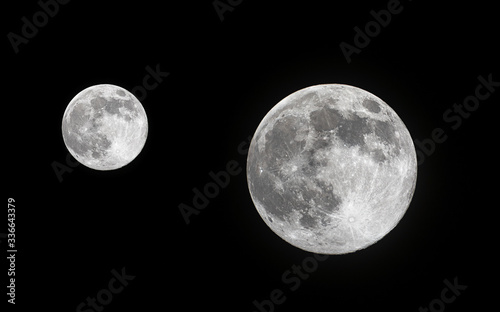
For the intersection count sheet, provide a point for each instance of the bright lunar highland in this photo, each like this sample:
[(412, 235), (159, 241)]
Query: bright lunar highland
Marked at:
[(104, 127), (331, 169)]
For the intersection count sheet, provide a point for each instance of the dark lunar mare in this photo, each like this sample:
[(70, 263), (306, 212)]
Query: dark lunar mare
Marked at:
[(112, 106), (282, 150), (91, 141)]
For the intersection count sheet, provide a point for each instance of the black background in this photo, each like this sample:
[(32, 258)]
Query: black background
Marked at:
[(224, 77)]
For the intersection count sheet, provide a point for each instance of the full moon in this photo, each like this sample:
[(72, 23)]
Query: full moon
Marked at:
[(331, 169), (104, 127)]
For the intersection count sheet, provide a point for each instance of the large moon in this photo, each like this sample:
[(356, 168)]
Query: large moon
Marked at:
[(331, 169), (104, 127)]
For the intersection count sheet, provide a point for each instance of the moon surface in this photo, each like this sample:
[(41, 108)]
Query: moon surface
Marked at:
[(104, 127), (331, 169)]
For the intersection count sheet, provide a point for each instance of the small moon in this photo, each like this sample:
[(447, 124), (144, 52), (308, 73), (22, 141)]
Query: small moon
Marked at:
[(104, 127), (331, 169)]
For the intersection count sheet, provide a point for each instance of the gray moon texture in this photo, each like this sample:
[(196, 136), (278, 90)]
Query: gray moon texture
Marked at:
[(331, 169), (104, 127)]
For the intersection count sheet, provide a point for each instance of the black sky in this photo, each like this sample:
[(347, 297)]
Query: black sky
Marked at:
[(224, 76)]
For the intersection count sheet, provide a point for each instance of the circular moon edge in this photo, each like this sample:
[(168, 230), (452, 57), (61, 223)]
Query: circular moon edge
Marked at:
[(104, 127), (331, 169)]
